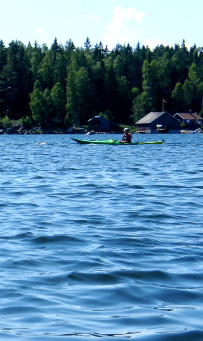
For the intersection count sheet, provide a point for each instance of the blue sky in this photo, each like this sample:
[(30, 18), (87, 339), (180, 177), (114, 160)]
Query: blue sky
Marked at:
[(151, 22)]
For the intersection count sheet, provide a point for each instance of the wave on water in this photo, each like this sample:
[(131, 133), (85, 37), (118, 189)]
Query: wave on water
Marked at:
[(101, 241)]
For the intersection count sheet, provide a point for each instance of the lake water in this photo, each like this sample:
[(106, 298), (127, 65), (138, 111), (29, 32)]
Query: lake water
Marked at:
[(101, 242)]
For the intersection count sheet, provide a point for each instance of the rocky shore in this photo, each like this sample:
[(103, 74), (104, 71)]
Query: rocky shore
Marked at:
[(38, 130)]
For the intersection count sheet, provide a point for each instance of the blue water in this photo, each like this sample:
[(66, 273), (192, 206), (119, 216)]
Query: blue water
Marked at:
[(101, 242)]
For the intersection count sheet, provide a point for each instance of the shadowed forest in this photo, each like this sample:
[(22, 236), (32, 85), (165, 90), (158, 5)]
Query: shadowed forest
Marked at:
[(60, 86)]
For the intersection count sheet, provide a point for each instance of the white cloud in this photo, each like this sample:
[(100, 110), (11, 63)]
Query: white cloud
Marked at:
[(124, 27), (78, 22), (85, 19), (91, 17), (42, 34), (152, 43)]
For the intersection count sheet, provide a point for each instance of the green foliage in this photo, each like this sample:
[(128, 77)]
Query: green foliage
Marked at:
[(177, 96), (78, 93), (107, 115), (140, 106), (6, 122), (187, 94), (26, 122), (45, 71), (63, 85), (201, 113), (58, 98), (37, 105)]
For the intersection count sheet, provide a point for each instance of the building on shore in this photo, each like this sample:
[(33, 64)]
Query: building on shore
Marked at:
[(158, 122), (191, 121)]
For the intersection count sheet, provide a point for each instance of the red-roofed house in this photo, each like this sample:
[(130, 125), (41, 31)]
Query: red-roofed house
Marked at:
[(190, 120)]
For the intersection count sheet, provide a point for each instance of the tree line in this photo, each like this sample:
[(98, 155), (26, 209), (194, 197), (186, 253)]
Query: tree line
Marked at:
[(64, 85)]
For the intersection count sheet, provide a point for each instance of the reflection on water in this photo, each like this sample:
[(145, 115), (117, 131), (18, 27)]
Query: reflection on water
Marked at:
[(101, 241)]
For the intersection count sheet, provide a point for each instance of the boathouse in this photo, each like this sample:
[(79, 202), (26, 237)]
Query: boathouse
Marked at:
[(158, 122), (100, 124)]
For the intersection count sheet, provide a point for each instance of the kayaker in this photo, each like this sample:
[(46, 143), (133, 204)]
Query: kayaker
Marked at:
[(127, 137)]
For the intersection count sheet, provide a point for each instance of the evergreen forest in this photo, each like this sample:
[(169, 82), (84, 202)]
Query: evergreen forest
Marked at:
[(61, 86)]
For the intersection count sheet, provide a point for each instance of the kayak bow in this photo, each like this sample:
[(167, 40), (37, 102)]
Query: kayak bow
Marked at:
[(114, 142)]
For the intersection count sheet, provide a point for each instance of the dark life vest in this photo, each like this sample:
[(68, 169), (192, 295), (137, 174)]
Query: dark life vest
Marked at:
[(127, 138)]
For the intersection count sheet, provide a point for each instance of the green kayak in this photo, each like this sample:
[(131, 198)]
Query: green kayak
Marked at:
[(114, 142)]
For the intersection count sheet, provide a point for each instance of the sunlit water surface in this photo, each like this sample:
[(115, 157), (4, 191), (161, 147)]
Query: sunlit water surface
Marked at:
[(101, 241)]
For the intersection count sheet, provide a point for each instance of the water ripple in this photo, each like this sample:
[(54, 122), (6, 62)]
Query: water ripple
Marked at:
[(101, 241)]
